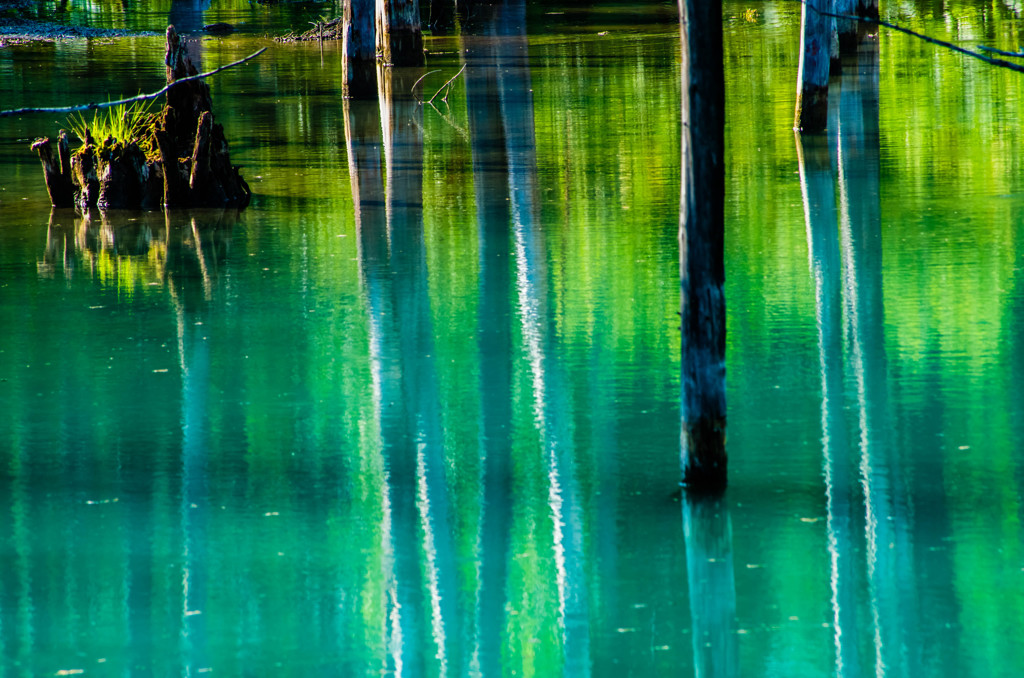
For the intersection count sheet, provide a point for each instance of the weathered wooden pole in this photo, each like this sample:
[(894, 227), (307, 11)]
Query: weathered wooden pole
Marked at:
[(399, 36), (701, 246), (812, 75), (359, 50)]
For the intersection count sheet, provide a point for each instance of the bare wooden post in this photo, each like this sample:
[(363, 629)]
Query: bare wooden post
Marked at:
[(359, 50), (812, 78), (399, 36), (701, 246)]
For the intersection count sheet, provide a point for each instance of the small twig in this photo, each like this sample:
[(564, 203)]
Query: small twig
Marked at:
[(935, 41), (447, 84), (412, 90), (420, 79), (140, 97)]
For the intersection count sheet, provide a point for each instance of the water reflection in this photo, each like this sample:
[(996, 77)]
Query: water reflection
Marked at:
[(707, 527), (845, 248), (495, 348), (818, 187)]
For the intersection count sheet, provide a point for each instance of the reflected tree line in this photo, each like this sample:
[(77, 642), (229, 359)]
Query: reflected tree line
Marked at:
[(869, 513), (468, 631), (421, 608), (426, 597)]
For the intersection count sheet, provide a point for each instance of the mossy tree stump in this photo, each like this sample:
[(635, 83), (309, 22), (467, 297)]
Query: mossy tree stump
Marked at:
[(180, 159)]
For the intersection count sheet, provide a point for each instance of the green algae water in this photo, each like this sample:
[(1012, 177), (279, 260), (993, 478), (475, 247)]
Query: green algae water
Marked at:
[(415, 411)]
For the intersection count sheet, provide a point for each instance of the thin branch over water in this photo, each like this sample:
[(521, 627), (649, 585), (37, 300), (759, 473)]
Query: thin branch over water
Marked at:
[(140, 97), (935, 41)]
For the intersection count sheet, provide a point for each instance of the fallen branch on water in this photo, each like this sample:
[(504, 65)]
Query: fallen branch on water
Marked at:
[(140, 97), (935, 41)]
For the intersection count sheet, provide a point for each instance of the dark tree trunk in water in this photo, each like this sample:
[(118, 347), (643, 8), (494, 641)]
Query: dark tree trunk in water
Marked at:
[(812, 78), (701, 243), (399, 37), (359, 50)]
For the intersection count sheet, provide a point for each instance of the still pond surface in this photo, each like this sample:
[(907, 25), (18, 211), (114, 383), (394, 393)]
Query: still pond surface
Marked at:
[(416, 410)]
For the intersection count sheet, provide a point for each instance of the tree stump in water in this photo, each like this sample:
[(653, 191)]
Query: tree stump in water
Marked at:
[(179, 159), (57, 170)]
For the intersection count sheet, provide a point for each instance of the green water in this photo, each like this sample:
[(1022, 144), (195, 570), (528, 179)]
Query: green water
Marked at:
[(433, 429)]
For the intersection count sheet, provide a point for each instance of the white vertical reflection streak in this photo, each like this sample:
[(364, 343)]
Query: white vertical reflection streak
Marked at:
[(364, 167), (866, 472), (393, 632), (818, 192), (819, 297), (430, 550), (552, 410), (529, 311)]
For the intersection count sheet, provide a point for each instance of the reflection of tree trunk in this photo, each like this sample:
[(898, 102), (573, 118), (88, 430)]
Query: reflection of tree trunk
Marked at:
[(701, 245), (194, 353), (817, 184), (418, 461), (490, 180), (711, 581), (398, 524), (550, 382), (888, 517), (812, 74)]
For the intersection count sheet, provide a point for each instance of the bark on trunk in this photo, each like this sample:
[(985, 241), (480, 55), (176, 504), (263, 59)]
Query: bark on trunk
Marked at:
[(812, 78), (399, 36), (358, 50), (701, 241), (846, 28)]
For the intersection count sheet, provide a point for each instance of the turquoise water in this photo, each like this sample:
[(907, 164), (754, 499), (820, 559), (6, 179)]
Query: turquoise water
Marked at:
[(415, 411)]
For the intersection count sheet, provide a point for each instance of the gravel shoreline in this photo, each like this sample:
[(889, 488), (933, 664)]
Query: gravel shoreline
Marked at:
[(20, 31)]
